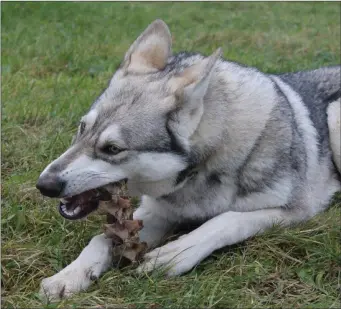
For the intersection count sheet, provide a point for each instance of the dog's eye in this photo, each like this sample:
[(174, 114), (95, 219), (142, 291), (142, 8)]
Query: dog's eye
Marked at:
[(82, 127), (111, 149)]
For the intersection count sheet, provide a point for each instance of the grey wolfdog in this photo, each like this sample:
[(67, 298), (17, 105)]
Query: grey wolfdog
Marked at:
[(199, 139)]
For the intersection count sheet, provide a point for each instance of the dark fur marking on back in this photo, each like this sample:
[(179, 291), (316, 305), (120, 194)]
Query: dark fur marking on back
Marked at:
[(333, 97), (317, 88)]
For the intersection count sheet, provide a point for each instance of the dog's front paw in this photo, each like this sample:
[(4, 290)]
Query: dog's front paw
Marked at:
[(91, 263), (175, 258), (71, 280)]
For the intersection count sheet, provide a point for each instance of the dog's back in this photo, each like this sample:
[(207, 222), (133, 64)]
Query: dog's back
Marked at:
[(319, 89)]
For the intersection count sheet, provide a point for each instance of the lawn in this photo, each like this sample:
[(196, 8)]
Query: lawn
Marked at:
[(57, 58)]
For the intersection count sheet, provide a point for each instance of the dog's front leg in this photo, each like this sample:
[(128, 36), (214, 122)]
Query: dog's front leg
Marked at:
[(183, 254), (95, 259), (156, 223)]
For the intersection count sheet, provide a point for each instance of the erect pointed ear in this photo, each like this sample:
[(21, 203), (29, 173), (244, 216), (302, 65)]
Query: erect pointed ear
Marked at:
[(191, 85), (190, 88), (150, 51)]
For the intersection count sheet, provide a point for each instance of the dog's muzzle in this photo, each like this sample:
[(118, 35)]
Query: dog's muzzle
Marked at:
[(80, 205)]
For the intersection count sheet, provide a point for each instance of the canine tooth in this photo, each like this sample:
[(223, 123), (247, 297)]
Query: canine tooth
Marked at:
[(63, 200), (77, 210)]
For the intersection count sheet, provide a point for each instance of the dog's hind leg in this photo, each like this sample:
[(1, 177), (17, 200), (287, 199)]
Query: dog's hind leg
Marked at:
[(183, 254), (95, 259), (334, 125)]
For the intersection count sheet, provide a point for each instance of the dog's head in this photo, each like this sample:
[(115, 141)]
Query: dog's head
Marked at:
[(139, 129)]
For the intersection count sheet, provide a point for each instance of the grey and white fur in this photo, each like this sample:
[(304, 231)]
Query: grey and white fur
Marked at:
[(200, 139)]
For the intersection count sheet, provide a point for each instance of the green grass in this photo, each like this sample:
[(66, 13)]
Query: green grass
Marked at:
[(57, 57)]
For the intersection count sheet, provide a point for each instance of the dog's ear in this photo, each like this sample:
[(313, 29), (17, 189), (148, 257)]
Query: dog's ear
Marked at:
[(150, 51), (191, 85), (190, 88)]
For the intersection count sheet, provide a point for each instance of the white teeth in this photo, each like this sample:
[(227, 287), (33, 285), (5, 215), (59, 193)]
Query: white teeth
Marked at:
[(70, 213)]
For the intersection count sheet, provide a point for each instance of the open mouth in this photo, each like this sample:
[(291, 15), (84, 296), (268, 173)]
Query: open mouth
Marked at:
[(79, 206)]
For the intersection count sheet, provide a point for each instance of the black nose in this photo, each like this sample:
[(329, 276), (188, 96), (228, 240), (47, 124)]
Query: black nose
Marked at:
[(50, 186)]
